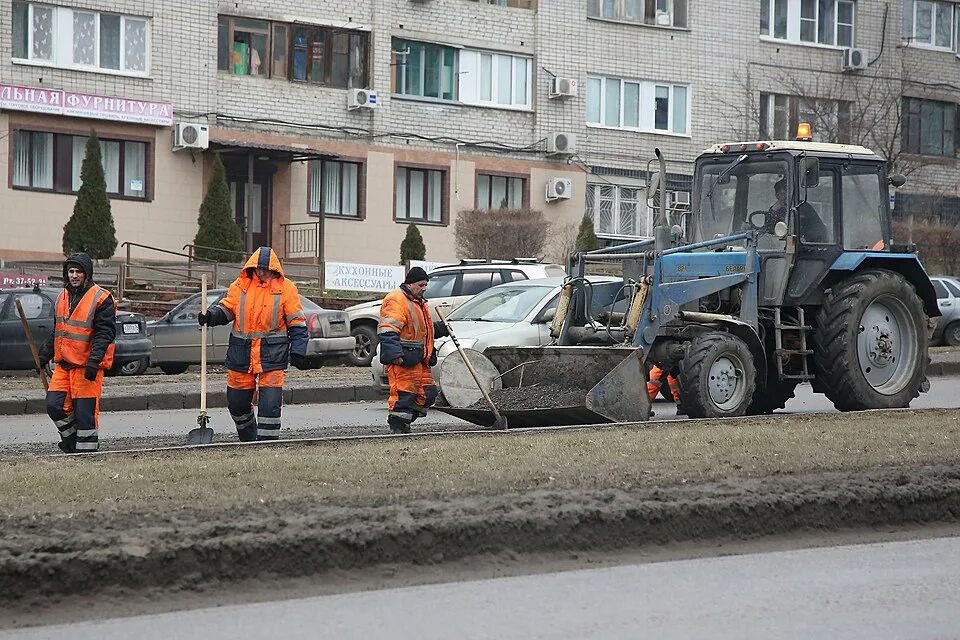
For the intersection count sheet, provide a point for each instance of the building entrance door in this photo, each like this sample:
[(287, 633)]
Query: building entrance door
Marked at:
[(256, 196)]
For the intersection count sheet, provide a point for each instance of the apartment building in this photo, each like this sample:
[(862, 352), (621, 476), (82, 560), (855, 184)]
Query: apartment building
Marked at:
[(342, 122)]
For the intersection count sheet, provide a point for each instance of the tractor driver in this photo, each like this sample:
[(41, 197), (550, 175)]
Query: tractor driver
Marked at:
[(812, 228)]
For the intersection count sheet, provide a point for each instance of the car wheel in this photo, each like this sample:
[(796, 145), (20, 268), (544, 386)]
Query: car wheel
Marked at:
[(366, 337), (174, 368), (132, 368), (951, 335)]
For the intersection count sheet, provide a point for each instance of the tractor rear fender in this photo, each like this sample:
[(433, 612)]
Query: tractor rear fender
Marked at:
[(746, 333), (906, 264)]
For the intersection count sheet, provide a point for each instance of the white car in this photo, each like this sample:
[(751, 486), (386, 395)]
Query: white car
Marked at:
[(517, 314), (449, 287)]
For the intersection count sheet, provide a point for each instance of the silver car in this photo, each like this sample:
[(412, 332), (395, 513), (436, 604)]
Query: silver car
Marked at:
[(948, 299), (176, 336), (517, 314)]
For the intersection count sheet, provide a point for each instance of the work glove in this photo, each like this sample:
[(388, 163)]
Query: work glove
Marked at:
[(90, 372), (203, 319), (45, 359), (298, 360), (440, 330)]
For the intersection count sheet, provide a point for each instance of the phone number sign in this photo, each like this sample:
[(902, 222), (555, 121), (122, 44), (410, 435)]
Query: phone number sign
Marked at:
[(9, 280)]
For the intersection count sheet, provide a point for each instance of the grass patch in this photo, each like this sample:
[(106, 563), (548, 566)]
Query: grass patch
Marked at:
[(376, 472)]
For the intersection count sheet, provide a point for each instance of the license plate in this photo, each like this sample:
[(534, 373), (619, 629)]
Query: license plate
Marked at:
[(131, 328)]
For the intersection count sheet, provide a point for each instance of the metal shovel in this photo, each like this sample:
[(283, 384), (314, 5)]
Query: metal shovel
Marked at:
[(202, 434), (499, 421)]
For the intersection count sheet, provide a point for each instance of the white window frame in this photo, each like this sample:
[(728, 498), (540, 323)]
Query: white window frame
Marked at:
[(794, 22), (470, 74), (646, 106), (823, 107), (910, 38), (644, 213), (62, 34), (620, 12)]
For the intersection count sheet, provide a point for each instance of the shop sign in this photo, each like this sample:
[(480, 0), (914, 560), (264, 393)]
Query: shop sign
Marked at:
[(85, 105), (348, 276), (426, 266)]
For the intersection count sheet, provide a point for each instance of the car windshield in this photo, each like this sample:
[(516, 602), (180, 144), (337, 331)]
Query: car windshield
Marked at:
[(309, 305), (502, 304), (731, 191)]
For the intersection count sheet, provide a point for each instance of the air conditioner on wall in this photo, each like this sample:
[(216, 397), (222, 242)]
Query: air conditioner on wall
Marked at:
[(561, 143), (362, 99), (559, 189), (563, 87), (187, 135), (854, 59)]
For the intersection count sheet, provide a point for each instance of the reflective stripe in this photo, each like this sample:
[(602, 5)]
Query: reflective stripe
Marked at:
[(264, 421), (295, 316), (65, 421), (73, 336), (392, 321), (66, 433), (275, 316), (86, 433), (414, 316), (226, 312), (253, 335), (268, 433), (403, 415), (382, 330), (86, 446), (241, 316)]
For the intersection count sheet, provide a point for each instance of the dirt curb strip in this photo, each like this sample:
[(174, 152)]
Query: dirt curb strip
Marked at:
[(299, 395), (329, 538)]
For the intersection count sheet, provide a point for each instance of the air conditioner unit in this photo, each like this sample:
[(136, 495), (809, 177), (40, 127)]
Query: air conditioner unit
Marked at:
[(191, 136), (559, 189), (854, 59), (362, 99), (561, 143), (563, 87)]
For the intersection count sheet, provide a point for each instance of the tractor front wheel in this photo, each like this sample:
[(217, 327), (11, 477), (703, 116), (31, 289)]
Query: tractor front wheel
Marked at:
[(870, 346), (717, 377)]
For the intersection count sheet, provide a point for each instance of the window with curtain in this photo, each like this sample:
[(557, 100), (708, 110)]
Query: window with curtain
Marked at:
[(419, 195), (335, 188), (931, 127), (661, 13), (638, 105), (53, 162), (828, 22), (933, 24), (498, 79), (496, 192)]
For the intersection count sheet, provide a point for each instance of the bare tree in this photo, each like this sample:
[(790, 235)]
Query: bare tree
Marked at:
[(501, 234)]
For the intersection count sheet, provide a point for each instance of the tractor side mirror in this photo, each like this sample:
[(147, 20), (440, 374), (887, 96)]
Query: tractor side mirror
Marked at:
[(758, 219), (809, 172), (780, 229), (897, 180)]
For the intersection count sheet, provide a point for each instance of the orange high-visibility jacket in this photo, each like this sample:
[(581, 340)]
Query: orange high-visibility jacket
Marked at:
[(268, 319), (405, 329), (73, 333)]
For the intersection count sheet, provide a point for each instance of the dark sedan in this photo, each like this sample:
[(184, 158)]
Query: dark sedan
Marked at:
[(132, 344)]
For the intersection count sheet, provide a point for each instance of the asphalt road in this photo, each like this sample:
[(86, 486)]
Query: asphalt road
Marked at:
[(880, 591), (164, 428)]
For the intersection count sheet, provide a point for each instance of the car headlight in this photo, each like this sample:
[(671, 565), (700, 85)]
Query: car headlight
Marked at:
[(446, 346)]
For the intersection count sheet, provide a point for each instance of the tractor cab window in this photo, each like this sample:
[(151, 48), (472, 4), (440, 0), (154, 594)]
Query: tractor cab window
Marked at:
[(863, 209), (815, 216), (730, 192)]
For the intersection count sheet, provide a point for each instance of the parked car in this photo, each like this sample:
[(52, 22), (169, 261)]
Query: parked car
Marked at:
[(449, 287), (176, 336), (517, 314), (132, 353), (948, 299)]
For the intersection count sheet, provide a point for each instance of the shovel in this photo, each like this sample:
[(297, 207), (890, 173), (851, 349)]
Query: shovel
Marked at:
[(202, 434), (33, 345), (499, 421)]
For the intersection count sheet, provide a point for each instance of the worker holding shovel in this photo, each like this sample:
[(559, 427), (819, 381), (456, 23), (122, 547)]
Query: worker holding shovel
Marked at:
[(269, 330)]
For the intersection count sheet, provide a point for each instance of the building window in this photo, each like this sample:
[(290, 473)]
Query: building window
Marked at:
[(618, 211), (780, 114), (335, 188), (497, 79), (517, 4), (81, 39), (326, 56), (827, 22), (930, 127), (931, 24), (663, 13), (498, 192), (52, 162), (637, 105), (424, 70), (419, 195)]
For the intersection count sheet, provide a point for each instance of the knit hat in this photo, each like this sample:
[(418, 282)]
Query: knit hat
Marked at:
[(416, 275)]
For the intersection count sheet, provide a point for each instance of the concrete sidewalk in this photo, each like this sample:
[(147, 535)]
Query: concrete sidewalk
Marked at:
[(350, 385)]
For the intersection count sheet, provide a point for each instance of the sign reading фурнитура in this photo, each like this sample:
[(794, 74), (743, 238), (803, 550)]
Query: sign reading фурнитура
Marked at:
[(85, 105)]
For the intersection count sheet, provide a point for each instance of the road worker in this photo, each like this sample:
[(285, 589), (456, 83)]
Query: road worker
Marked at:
[(82, 347), (406, 336), (655, 383), (269, 330)]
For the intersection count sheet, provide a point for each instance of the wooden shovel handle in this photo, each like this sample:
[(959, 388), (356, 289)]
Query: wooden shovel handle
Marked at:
[(33, 346)]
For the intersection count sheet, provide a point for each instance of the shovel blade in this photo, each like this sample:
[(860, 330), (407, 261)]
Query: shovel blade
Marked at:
[(200, 435)]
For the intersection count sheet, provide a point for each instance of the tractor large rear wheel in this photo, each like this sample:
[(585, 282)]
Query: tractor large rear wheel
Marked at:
[(717, 377), (870, 346)]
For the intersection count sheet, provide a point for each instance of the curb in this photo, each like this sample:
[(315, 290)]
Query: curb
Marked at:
[(547, 522)]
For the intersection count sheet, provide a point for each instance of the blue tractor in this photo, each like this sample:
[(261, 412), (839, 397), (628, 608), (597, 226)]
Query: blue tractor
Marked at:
[(782, 271)]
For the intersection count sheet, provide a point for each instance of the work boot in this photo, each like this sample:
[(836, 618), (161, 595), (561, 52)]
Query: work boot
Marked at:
[(65, 447), (398, 426)]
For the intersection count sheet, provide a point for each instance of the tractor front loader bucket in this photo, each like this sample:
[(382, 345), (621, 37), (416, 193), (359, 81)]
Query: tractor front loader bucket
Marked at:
[(554, 386)]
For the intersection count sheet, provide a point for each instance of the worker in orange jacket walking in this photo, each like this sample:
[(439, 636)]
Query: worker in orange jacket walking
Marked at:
[(406, 336), (655, 383), (82, 346), (269, 330)]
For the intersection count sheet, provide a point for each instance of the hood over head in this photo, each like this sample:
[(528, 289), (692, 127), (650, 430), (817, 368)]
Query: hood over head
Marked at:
[(81, 260), (262, 257)]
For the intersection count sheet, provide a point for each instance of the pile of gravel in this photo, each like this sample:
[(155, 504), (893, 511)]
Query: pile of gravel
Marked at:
[(544, 396)]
